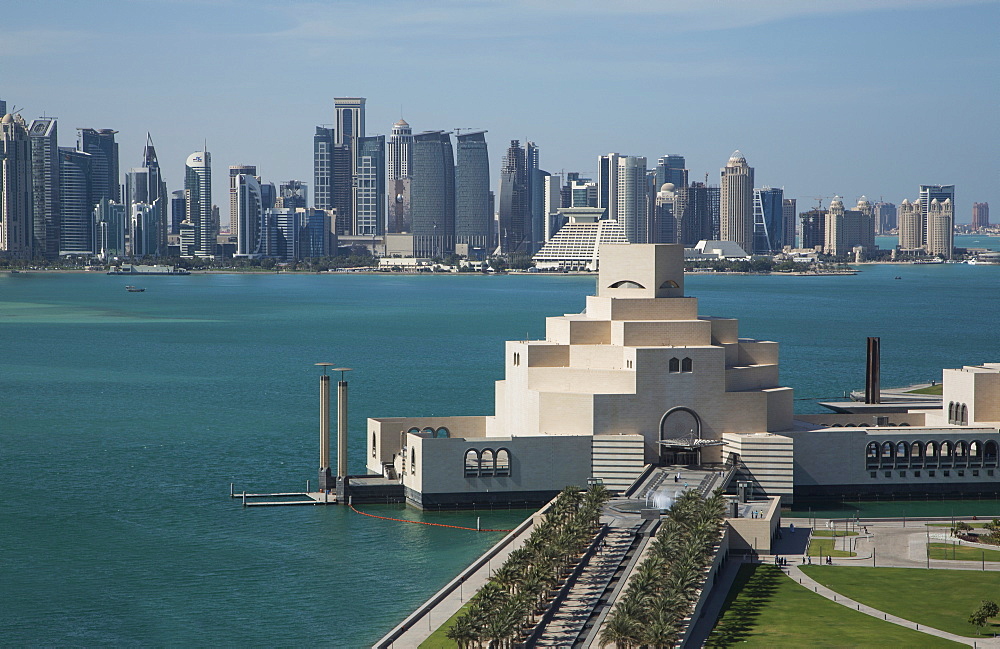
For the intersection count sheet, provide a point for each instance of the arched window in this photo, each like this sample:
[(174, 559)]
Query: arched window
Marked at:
[(951, 412), (946, 450), (675, 365), (428, 431), (931, 450), (975, 453), (442, 432), (887, 449), (413, 431), (487, 463), (963, 416), (872, 451), (413, 460), (916, 450), (687, 365), (669, 284), (901, 450), (503, 462), (471, 463), (626, 284), (961, 450), (990, 453), (373, 443)]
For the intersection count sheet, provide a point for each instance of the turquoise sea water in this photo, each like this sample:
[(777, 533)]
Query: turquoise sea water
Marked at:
[(125, 416)]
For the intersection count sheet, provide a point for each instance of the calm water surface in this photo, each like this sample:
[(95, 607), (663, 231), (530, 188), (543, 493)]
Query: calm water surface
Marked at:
[(125, 416)]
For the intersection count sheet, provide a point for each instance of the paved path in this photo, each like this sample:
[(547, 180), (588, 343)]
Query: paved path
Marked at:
[(795, 573), (569, 619)]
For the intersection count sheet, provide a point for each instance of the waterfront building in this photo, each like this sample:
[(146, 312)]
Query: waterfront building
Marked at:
[(835, 235), (400, 217), (812, 229), (536, 216), (111, 226), (350, 113), (607, 182), (76, 224), (16, 231), (280, 234), (145, 229), (293, 194), (940, 228), (980, 216), (736, 202), (630, 193), (177, 210), (400, 152), (514, 208), (473, 216), (46, 210), (249, 209), (927, 194), (582, 193), (552, 203), (343, 188), (846, 229), (268, 194), (788, 222), (885, 217), (911, 225), (101, 145), (576, 246), (432, 194), (671, 169), (323, 143), (234, 172), (665, 220), (369, 187), (768, 220), (317, 236), (198, 202), (145, 186)]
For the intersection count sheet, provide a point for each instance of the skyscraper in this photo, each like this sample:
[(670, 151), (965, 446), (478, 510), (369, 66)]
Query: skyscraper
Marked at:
[(177, 211), (927, 194), (101, 145), (664, 221), (847, 229), (473, 218), (736, 202), (110, 227), (343, 187), (323, 143), (885, 217), (433, 194), (45, 187), (247, 217), (234, 173), (198, 202), (693, 211), (76, 226), (552, 190), (980, 215), (514, 202), (671, 169), (400, 152), (144, 186), (607, 182), (16, 230), (911, 225), (812, 228), (350, 123), (631, 197), (768, 219), (533, 175), (293, 194), (788, 222), (940, 228), (369, 187)]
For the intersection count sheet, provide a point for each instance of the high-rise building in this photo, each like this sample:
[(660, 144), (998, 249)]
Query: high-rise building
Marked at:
[(369, 187), (110, 228), (582, 193), (607, 182), (145, 186), (694, 207), (101, 145), (293, 194), (980, 216), (847, 229), (45, 187), (665, 221), (76, 225), (400, 152), (343, 188), (3, 108), (317, 236), (281, 233), (631, 196), (350, 124), (144, 228), (768, 219), (552, 203), (177, 211), (911, 225), (198, 201), (671, 169), (514, 202), (885, 217), (812, 228), (323, 143), (940, 228), (788, 222), (927, 194), (473, 217), (247, 217), (234, 172), (736, 202), (534, 175), (432, 194), (16, 232)]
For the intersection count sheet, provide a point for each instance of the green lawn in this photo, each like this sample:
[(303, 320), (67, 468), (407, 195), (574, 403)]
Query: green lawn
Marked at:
[(961, 552), (930, 389), (833, 533), (979, 525), (942, 599), (438, 639), (828, 547), (767, 609)]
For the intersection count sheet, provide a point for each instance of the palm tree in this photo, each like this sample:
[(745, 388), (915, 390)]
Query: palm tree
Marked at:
[(463, 632), (620, 629)]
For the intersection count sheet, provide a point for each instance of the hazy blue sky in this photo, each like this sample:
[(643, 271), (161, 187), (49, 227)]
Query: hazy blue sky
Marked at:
[(850, 96)]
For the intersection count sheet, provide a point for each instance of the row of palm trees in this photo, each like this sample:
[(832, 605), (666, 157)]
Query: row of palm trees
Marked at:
[(664, 589), (508, 606)]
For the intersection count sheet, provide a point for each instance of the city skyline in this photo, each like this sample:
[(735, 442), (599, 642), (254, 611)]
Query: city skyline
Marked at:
[(805, 130)]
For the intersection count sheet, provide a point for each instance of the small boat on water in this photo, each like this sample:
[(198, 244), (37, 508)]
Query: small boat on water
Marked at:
[(134, 289)]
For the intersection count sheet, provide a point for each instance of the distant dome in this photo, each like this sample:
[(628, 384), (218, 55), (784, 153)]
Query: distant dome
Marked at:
[(836, 202), (905, 202), (863, 201), (7, 119), (737, 158), (667, 187), (401, 122)]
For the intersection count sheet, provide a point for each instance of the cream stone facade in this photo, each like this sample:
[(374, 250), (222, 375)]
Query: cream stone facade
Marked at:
[(598, 396)]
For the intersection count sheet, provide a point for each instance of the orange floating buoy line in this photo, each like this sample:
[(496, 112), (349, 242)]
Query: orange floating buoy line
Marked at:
[(403, 520)]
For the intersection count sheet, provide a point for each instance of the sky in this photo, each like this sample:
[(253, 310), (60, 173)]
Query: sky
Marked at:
[(823, 97)]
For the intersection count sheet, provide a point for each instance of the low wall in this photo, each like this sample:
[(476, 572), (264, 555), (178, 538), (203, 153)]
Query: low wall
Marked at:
[(721, 555)]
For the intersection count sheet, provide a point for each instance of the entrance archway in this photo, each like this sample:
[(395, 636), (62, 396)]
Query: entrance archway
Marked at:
[(683, 450)]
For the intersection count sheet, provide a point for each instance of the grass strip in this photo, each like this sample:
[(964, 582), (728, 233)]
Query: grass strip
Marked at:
[(439, 639), (962, 552)]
